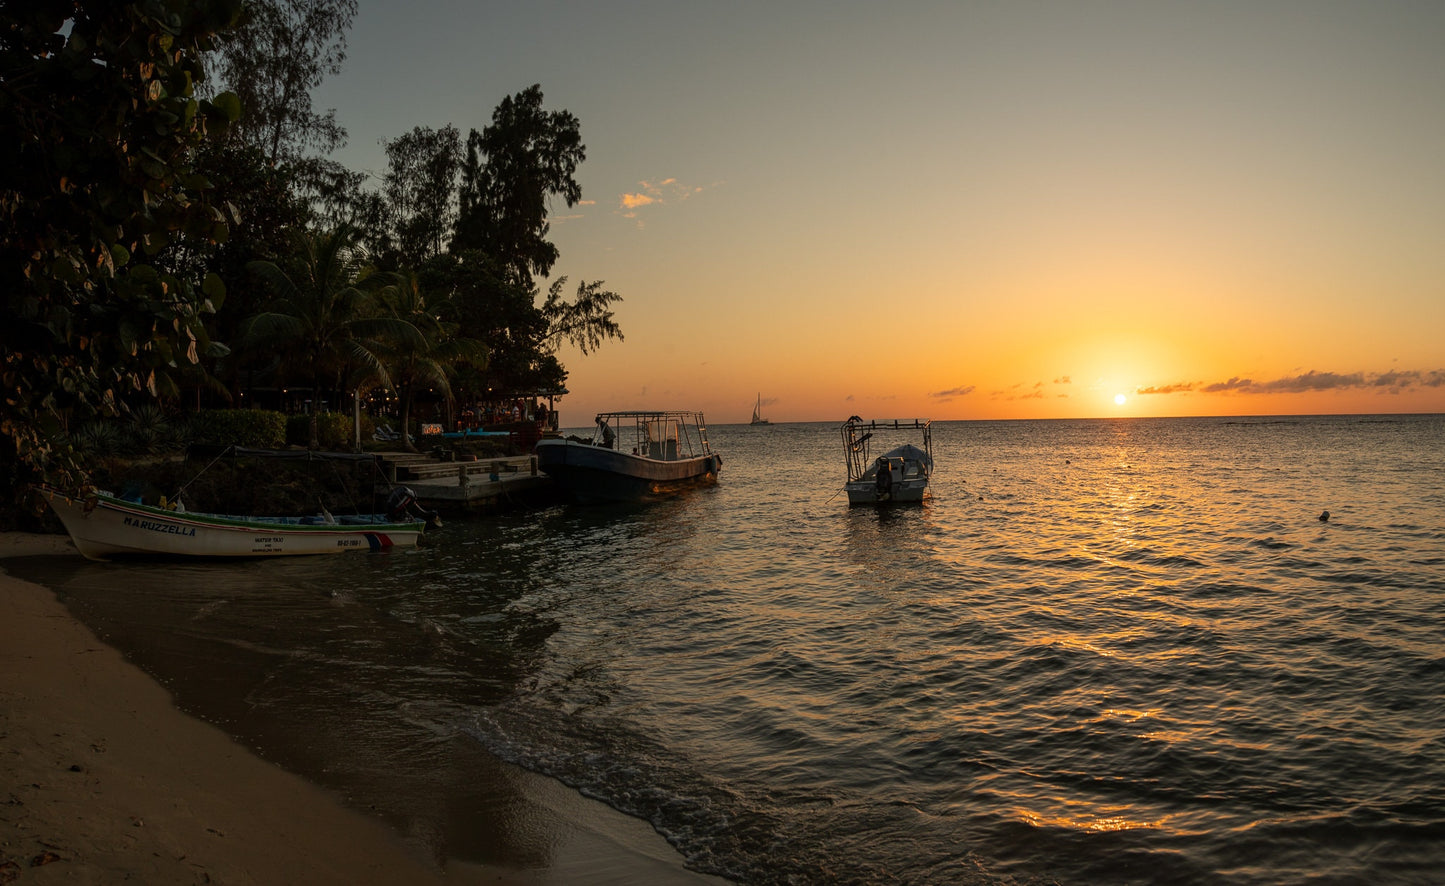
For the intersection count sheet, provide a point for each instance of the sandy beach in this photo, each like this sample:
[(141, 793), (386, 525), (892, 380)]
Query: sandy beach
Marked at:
[(107, 781)]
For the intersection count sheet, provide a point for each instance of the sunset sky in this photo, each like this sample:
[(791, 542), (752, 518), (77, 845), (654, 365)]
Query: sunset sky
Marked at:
[(969, 209)]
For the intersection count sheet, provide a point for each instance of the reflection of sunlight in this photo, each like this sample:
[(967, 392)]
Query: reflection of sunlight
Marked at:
[(1076, 816), (1082, 645), (888, 538), (1129, 716)]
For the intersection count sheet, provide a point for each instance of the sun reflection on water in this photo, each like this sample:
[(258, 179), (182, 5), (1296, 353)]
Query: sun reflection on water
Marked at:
[(1105, 819)]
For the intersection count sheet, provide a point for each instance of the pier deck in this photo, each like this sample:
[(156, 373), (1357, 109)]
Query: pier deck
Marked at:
[(473, 485)]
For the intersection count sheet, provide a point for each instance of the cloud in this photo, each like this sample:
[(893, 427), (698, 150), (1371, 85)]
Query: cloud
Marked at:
[(1181, 388), (1310, 381), (1063, 380), (1234, 384), (1036, 392), (1398, 381), (946, 396), (1395, 381), (573, 216), (660, 193)]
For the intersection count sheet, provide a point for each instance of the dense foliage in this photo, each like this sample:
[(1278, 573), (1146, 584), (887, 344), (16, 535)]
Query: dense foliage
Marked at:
[(255, 428), (511, 169), (175, 238), (333, 429), (98, 189), (279, 51), (420, 191)]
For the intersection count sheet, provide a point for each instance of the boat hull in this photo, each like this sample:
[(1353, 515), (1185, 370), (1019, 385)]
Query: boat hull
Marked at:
[(592, 473), (910, 469), (865, 492), (103, 527)]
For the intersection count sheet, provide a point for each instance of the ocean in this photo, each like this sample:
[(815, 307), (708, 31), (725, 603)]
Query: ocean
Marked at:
[(1105, 652)]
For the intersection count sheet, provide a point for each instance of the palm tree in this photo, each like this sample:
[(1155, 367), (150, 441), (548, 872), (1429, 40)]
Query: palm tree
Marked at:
[(325, 320), (433, 359)]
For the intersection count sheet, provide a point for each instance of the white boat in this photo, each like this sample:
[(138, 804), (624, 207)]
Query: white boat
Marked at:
[(758, 413), (899, 475), (102, 526), (632, 457)]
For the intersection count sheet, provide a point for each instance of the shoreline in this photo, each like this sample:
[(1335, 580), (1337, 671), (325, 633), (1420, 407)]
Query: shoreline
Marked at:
[(111, 781)]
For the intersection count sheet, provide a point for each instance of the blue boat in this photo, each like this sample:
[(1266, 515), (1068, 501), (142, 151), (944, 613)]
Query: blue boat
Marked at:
[(634, 456)]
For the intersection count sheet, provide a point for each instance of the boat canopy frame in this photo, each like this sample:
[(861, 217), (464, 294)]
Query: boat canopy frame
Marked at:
[(669, 435), (858, 436)]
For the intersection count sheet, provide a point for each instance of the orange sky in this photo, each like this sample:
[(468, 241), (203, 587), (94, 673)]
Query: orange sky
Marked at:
[(973, 210)]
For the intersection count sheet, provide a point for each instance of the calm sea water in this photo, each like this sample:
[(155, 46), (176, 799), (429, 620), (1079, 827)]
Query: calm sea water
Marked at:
[(1105, 652)]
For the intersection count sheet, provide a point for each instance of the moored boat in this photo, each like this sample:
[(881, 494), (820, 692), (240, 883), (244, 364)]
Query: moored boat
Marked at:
[(632, 457), (899, 475), (103, 525)]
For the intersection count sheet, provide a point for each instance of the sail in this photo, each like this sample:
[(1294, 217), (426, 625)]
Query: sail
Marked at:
[(758, 412)]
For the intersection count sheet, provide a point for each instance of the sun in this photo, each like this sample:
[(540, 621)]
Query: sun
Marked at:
[(1120, 399)]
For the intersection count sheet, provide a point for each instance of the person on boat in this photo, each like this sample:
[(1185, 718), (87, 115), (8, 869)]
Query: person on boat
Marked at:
[(607, 435), (884, 480)]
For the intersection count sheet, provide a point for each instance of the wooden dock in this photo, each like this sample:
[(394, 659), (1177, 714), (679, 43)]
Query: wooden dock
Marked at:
[(472, 485)]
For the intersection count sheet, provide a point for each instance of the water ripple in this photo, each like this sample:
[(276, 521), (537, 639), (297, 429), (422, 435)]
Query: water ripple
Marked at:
[(1109, 652)]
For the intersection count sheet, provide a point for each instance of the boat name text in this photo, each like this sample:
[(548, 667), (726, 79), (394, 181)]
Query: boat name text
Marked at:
[(153, 526)]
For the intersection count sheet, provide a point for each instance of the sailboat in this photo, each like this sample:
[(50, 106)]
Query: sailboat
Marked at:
[(758, 413)]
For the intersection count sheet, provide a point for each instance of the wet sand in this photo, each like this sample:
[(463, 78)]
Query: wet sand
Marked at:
[(107, 781)]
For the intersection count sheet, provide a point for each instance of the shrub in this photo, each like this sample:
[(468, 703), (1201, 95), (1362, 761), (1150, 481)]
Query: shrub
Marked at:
[(149, 430), (97, 438), (257, 428), (333, 430)]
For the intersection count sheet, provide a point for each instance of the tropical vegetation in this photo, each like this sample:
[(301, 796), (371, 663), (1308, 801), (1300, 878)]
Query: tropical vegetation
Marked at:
[(178, 242)]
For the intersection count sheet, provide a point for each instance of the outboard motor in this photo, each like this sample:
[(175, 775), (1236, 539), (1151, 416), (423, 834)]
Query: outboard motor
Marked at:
[(398, 503), (884, 480), (402, 503)]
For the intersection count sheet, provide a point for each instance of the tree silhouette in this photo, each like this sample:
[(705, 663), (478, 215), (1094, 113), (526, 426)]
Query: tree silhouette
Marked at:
[(432, 358), (511, 169), (326, 321)]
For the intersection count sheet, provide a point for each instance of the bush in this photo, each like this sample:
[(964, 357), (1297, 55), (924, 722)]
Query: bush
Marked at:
[(228, 485), (256, 428), (333, 430), (97, 438)]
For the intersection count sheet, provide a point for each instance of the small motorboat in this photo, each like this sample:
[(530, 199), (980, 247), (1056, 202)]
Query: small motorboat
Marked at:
[(103, 525), (899, 475)]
